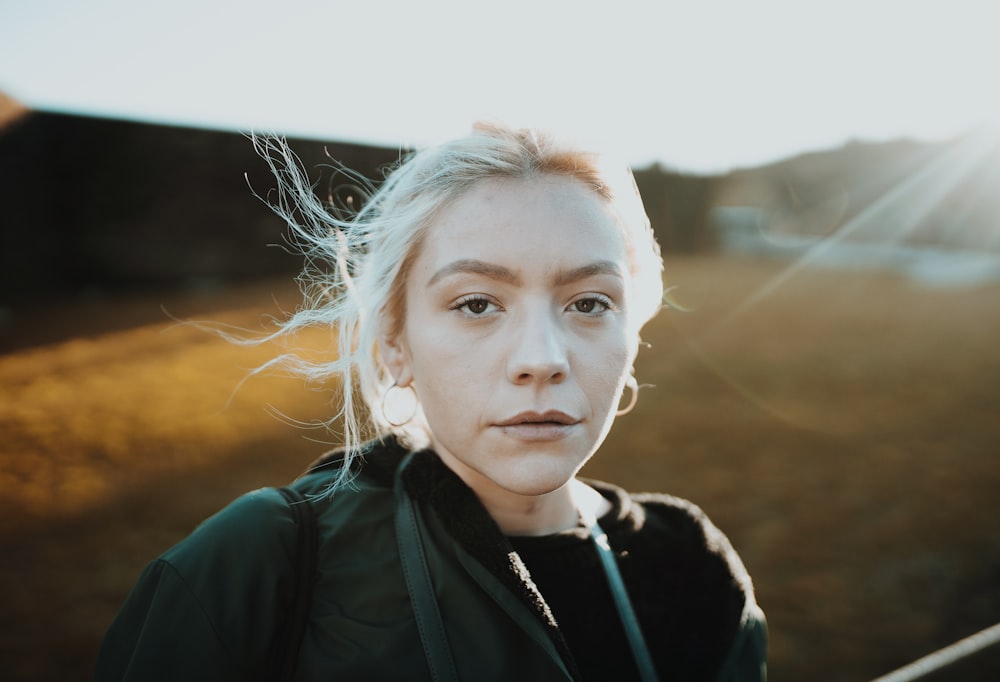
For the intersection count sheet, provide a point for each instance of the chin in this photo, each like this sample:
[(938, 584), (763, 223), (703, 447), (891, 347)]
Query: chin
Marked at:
[(534, 478)]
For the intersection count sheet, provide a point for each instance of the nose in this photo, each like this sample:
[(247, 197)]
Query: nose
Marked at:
[(538, 353)]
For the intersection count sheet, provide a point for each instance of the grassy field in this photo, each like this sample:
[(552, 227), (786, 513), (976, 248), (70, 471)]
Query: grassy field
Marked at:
[(842, 427)]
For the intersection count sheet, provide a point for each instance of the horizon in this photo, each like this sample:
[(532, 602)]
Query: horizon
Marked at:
[(22, 110)]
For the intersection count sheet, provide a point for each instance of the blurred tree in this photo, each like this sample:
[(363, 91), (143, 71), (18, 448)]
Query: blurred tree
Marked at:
[(678, 206), (101, 203)]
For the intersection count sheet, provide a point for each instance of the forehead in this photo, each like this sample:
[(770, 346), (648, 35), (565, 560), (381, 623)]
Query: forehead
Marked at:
[(549, 221)]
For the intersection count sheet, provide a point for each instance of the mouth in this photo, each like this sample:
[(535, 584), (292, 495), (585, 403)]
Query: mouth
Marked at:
[(538, 427), (547, 418)]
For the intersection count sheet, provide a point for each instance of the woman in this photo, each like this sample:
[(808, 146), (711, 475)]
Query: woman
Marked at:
[(488, 299)]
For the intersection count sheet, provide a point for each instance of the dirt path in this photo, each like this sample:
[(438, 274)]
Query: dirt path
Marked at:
[(842, 429)]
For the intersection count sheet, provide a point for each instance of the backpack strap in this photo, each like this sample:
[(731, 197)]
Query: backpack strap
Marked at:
[(431, 628), (289, 637)]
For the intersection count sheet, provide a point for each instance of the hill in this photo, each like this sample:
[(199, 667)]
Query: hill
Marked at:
[(902, 192)]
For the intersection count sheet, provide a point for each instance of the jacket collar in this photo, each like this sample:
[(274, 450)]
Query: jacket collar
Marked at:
[(430, 482)]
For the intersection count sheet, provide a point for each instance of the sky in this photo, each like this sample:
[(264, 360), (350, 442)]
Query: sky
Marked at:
[(701, 86)]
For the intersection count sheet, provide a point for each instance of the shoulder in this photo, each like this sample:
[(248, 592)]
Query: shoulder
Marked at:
[(710, 563), (258, 525), (720, 595), (673, 527), (685, 526), (677, 527), (208, 607), (256, 536), (703, 594)]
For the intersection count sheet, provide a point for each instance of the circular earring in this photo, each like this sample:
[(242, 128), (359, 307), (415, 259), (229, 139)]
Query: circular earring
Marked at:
[(633, 385), (395, 404)]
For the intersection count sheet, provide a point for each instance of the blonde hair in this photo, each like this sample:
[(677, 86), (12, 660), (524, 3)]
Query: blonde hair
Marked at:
[(358, 257)]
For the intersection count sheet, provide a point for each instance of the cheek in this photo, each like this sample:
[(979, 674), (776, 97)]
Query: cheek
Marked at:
[(607, 387), (434, 353), (448, 375), (610, 369)]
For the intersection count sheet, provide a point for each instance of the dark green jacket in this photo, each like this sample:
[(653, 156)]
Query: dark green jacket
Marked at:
[(209, 608)]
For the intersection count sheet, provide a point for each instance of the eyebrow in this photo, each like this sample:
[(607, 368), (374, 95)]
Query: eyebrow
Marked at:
[(500, 273), (601, 267), (475, 267)]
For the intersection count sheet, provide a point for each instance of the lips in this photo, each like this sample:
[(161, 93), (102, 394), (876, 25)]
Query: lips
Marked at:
[(539, 427), (554, 417)]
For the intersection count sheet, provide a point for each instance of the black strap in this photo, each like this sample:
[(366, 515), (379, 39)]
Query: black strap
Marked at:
[(437, 651), (640, 652), (290, 637)]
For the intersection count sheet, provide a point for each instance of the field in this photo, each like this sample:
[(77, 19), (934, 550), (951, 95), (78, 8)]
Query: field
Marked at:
[(841, 426)]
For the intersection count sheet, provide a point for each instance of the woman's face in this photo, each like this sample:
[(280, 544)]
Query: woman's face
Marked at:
[(516, 336)]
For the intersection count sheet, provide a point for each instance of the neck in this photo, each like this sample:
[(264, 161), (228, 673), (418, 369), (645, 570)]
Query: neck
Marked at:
[(544, 514), (528, 512), (531, 514), (560, 510)]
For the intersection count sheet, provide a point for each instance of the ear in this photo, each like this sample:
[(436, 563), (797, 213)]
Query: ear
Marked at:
[(396, 357)]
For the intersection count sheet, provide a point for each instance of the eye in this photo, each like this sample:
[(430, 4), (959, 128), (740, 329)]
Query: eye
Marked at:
[(475, 306), (592, 305)]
